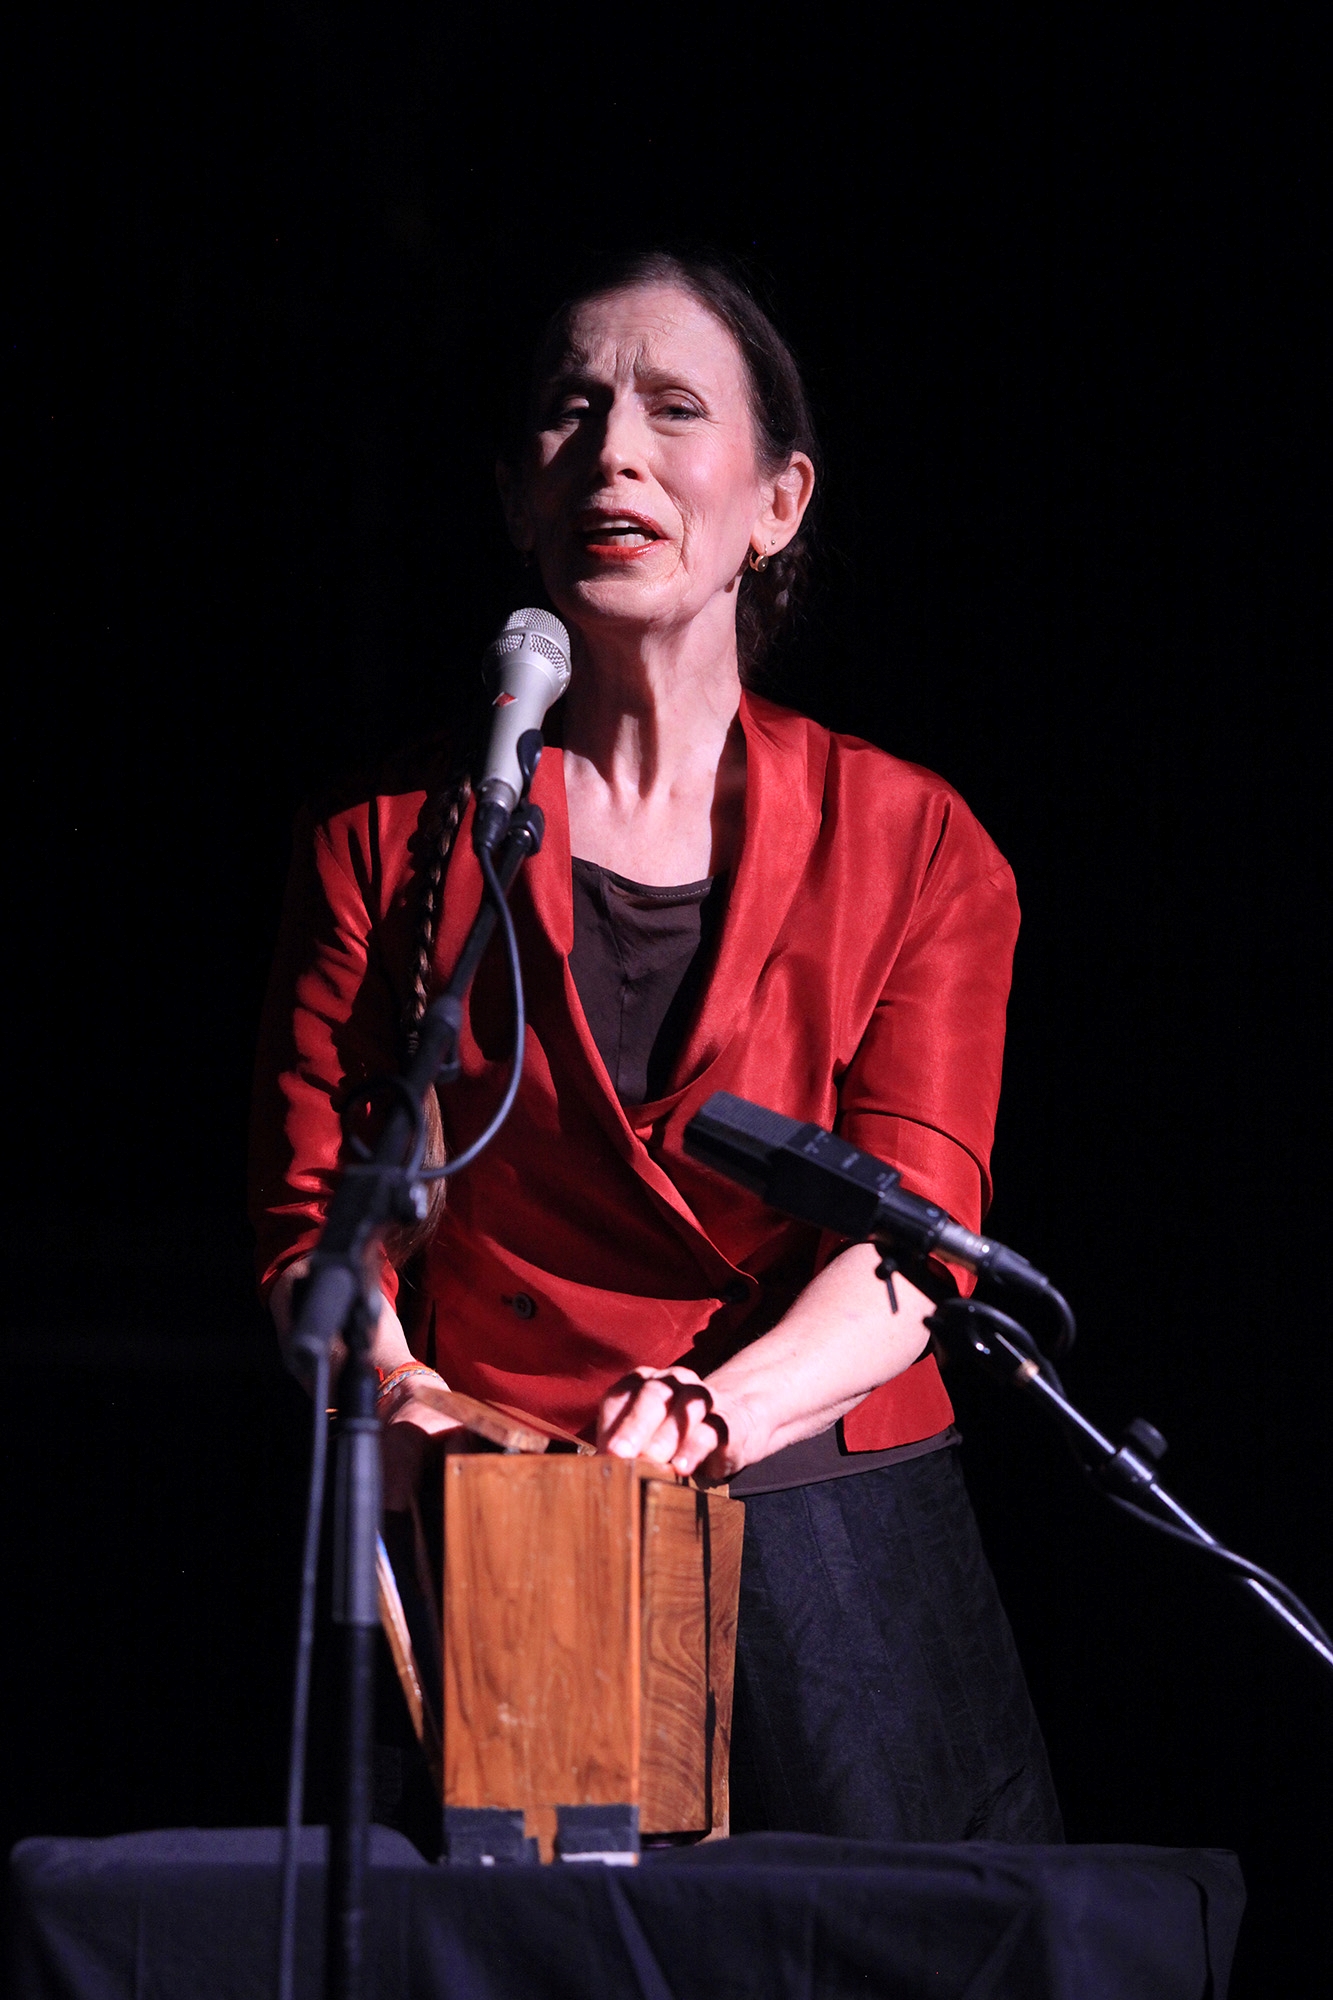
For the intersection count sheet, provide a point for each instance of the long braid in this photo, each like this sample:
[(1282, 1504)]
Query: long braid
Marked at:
[(436, 833), (435, 843)]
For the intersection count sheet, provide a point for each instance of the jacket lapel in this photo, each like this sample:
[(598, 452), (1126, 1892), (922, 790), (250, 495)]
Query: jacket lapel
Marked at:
[(558, 1012), (543, 903), (786, 758)]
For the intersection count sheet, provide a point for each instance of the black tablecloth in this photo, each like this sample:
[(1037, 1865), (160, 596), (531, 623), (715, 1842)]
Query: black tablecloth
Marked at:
[(192, 1915)]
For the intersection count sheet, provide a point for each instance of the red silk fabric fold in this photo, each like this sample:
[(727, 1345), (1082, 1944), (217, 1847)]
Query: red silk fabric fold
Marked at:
[(860, 980)]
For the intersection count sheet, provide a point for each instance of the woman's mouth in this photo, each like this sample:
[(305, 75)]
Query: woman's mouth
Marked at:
[(617, 537)]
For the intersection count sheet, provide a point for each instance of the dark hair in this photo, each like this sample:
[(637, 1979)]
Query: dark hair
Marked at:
[(770, 598)]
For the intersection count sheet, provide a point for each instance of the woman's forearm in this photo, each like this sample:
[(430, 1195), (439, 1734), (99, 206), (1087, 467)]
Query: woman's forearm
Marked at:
[(388, 1347), (839, 1341)]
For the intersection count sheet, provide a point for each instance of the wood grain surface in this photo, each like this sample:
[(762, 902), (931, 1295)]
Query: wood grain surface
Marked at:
[(589, 1626), (726, 1535), (393, 1618), (541, 1631), (494, 1422), (691, 1589), (673, 1795)]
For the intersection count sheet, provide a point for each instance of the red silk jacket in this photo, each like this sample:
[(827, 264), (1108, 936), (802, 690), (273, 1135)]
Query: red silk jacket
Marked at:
[(860, 980)]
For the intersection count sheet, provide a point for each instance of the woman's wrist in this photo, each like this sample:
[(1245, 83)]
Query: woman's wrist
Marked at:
[(835, 1344), (759, 1423), (389, 1377), (399, 1384), (743, 1439)]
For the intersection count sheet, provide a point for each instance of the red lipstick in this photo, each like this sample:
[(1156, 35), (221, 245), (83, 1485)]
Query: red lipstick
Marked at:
[(616, 536)]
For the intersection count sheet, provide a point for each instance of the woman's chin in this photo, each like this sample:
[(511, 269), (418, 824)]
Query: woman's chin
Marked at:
[(623, 596)]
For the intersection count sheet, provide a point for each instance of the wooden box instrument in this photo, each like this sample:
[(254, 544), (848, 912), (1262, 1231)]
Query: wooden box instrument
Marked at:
[(584, 1631)]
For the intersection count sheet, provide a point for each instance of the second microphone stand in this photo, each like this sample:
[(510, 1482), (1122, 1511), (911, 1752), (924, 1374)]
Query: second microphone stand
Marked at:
[(1126, 1473)]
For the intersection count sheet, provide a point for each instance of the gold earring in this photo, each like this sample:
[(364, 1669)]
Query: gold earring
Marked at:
[(758, 563)]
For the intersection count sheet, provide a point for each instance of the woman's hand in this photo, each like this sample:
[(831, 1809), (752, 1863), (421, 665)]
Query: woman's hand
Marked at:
[(672, 1417), (838, 1341), (407, 1425), (388, 1345)]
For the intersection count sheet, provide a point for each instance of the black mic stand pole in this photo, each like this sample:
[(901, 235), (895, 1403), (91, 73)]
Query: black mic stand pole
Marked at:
[(335, 1302), (1126, 1473)]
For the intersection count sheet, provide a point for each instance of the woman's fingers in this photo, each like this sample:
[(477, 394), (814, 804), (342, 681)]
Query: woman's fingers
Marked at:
[(407, 1427), (682, 1441), (401, 1404), (430, 1422), (626, 1429), (664, 1414), (623, 1409), (613, 1408)]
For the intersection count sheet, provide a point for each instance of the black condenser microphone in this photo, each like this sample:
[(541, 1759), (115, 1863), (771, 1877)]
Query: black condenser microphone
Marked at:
[(814, 1175), (527, 666)]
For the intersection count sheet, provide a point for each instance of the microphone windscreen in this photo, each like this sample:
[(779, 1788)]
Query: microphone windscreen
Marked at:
[(541, 632)]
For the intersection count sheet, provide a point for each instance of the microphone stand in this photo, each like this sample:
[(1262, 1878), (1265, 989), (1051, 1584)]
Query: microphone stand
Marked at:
[(379, 1188), (1126, 1473)]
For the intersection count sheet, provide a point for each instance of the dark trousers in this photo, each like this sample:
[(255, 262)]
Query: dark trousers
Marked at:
[(878, 1692)]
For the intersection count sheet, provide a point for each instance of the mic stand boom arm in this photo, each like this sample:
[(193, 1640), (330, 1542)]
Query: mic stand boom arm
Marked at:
[(821, 1178), (1126, 1473)]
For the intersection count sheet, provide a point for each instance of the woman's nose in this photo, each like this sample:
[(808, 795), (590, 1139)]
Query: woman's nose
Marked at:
[(622, 451)]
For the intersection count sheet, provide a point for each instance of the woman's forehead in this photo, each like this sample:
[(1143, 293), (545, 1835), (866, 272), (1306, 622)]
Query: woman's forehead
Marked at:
[(648, 331)]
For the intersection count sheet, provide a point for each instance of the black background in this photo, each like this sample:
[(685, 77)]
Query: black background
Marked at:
[(1056, 287)]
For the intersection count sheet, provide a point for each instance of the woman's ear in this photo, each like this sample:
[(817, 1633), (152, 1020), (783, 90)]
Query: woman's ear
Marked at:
[(787, 495), (510, 484)]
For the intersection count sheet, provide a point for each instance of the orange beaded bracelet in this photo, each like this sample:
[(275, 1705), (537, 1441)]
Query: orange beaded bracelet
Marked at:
[(397, 1376)]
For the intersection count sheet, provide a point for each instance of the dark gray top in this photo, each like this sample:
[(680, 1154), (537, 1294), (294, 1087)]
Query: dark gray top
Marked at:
[(638, 963)]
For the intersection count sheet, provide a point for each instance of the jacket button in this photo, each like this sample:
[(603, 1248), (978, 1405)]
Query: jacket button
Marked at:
[(525, 1307), (736, 1292)]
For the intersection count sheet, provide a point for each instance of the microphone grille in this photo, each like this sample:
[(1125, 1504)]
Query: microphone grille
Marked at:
[(540, 630)]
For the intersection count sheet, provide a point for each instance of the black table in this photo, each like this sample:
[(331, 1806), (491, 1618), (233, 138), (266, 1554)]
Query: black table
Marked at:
[(192, 1915)]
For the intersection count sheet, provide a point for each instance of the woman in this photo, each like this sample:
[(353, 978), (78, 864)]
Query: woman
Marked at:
[(728, 898)]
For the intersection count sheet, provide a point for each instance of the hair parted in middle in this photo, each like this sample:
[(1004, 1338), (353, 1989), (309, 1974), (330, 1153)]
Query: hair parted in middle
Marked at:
[(770, 598)]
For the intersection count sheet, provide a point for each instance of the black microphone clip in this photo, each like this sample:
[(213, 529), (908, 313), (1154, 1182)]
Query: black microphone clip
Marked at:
[(820, 1178), (493, 817)]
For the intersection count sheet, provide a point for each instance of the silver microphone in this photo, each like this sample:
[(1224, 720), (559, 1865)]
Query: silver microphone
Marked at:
[(527, 666)]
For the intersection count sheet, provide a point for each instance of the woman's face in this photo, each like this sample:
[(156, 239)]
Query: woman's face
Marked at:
[(643, 494)]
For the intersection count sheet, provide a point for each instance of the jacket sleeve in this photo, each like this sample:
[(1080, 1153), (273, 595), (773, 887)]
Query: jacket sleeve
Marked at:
[(922, 1089), (330, 1021)]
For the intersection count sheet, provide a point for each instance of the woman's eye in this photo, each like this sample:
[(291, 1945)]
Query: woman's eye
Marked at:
[(568, 410)]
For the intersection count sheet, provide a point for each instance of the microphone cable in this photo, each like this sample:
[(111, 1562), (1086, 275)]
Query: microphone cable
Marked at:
[(495, 889)]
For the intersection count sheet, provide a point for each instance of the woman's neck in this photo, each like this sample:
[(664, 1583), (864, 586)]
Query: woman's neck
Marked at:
[(654, 758)]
